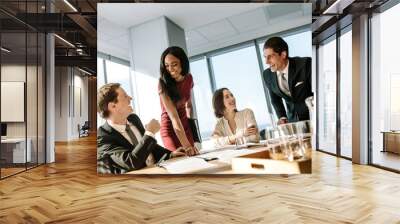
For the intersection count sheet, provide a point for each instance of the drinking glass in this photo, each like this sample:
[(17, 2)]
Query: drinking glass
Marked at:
[(240, 141), (304, 134)]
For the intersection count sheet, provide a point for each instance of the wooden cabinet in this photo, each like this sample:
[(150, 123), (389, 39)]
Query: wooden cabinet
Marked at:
[(391, 141)]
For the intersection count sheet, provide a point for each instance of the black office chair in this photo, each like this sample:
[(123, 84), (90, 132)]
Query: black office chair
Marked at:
[(84, 130), (262, 134), (194, 126)]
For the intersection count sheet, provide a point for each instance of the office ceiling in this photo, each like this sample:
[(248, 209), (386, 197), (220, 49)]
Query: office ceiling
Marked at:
[(225, 24), (76, 23), (213, 24)]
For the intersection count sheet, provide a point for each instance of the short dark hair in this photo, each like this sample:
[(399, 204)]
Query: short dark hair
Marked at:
[(277, 44), (218, 102), (107, 94), (167, 83)]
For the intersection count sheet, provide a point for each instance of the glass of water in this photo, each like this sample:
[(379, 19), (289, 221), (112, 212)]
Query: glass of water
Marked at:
[(240, 140)]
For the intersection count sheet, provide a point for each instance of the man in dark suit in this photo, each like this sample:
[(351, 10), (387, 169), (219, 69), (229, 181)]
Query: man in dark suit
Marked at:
[(123, 144), (288, 79)]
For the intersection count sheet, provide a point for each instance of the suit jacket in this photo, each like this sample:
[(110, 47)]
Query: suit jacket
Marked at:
[(299, 80), (115, 154)]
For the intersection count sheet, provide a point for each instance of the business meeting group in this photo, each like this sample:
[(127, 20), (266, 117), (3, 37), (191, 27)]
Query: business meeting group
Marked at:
[(125, 144)]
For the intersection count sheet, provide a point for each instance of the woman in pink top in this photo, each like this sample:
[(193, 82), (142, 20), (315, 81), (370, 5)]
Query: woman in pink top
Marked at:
[(174, 88)]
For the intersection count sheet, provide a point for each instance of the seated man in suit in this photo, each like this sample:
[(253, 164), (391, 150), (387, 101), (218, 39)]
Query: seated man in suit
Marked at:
[(123, 144), (287, 78)]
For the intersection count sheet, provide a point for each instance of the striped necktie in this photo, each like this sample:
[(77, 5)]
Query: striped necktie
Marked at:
[(131, 135), (284, 84)]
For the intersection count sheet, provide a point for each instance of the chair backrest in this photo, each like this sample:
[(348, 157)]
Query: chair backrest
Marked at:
[(194, 126), (262, 134), (86, 125)]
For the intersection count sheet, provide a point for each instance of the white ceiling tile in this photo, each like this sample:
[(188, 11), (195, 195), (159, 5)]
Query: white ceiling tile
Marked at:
[(217, 30), (188, 16), (279, 10), (195, 38), (249, 20)]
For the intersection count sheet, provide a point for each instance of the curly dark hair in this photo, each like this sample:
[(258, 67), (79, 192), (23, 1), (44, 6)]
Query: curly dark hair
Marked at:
[(167, 83)]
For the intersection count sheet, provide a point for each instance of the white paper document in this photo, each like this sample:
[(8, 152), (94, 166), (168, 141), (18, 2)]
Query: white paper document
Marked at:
[(227, 155), (186, 165), (209, 146)]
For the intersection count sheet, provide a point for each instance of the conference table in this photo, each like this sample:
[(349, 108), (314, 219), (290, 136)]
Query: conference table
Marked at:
[(251, 159)]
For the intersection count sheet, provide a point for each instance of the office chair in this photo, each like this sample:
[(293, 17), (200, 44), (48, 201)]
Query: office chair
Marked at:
[(84, 130)]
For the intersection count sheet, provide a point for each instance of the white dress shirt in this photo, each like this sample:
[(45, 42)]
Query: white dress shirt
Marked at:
[(121, 129), (243, 119)]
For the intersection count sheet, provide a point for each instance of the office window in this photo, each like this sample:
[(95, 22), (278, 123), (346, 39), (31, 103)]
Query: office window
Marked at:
[(22, 95), (119, 73), (299, 44), (203, 97), (100, 73), (146, 101), (327, 96), (345, 93), (239, 71), (385, 86)]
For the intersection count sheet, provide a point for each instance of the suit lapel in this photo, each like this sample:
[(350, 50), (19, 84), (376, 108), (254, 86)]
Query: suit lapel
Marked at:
[(292, 74), (117, 135), (275, 83), (135, 120)]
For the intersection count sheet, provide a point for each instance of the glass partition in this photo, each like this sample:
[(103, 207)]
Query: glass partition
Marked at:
[(22, 66), (385, 89), (346, 93), (14, 153), (326, 91)]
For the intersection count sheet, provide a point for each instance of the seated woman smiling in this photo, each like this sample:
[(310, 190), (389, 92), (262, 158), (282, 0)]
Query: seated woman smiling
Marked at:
[(231, 123)]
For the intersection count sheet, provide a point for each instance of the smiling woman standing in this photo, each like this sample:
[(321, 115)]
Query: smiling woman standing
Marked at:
[(174, 88)]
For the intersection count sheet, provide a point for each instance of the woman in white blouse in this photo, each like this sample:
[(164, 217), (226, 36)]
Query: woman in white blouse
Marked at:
[(231, 123)]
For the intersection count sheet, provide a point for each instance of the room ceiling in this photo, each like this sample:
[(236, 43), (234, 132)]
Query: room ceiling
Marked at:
[(76, 24), (203, 23), (223, 24)]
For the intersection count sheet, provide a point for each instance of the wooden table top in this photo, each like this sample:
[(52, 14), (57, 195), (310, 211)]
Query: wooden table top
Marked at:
[(219, 168), (224, 164)]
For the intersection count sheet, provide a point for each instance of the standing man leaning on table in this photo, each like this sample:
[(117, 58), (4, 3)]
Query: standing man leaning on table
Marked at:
[(287, 78), (123, 144)]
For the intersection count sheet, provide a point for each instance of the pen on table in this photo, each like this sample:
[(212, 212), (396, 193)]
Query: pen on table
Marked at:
[(210, 159), (207, 159), (162, 159)]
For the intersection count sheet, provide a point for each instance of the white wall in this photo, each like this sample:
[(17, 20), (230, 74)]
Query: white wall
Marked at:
[(61, 103), (148, 41), (67, 115)]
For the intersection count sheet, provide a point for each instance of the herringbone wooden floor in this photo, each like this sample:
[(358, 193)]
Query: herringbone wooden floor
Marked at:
[(70, 191)]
